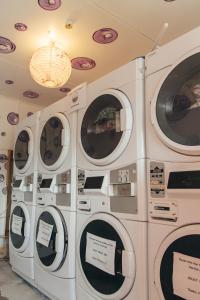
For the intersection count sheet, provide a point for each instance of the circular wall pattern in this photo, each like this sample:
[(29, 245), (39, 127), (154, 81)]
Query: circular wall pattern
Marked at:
[(30, 94), (83, 63), (3, 158), (21, 27), (4, 190), (105, 35), (65, 90), (13, 118), (8, 81), (2, 178), (49, 4), (30, 113), (6, 46)]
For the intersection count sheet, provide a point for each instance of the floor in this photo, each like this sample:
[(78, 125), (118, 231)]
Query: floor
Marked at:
[(12, 287)]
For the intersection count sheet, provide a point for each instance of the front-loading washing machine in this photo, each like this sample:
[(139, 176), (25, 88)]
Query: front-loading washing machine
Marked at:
[(111, 241), (172, 98), (55, 245), (56, 197), (111, 126), (21, 245), (174, 232)]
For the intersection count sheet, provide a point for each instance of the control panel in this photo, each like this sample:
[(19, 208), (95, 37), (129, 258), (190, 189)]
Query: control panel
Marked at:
[(55, 190), (28, 183), (81, 181), (22, 188), (113, 190), (165, 210), (123, 181), (23, 184), (16, 183), (157, 180)]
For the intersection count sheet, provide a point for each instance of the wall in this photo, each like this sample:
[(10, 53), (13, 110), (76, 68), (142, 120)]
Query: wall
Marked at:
[(5, 198), (19, 107)]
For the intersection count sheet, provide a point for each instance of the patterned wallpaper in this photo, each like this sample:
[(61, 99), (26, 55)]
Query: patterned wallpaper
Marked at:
[(12, 111)]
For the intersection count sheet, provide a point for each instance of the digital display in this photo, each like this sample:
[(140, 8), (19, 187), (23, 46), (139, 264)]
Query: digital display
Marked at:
[(93, 182), (46, 183), (17, 183), (164, 208), (184, 180)]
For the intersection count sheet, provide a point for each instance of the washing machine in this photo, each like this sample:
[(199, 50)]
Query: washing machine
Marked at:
[(173, 146), (21, 245), (174, 232), (111, 236), (172, 98), (56, 197), (111, 126)]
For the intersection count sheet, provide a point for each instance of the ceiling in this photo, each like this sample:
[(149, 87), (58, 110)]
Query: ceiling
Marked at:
[(138, 23)]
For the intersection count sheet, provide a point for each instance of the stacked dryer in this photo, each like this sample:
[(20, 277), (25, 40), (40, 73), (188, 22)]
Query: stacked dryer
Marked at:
[(173, 147), (56, 197), (21, 245), (111, 237)]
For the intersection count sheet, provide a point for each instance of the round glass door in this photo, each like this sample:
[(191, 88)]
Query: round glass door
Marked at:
[(51, 239), (178, 105), (20, 227), (102, 250), (106, 127), (54, 141), (23, 149), (180, 250)]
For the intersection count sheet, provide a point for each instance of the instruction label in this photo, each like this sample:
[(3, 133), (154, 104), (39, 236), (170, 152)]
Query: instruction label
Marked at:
[(44, 233), (186, 276), (100, 253), (17, 224)]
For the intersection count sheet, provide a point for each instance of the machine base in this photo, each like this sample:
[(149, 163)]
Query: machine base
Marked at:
[(55, 288)]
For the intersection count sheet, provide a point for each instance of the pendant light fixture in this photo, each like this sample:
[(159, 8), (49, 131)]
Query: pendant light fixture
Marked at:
[(50, 66)]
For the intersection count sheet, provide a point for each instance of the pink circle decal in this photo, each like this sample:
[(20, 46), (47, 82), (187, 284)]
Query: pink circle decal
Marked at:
[(4, 190), (21, 27), (49, 4), (30, 113), (13, 118), (30, 94), (65, 90), (6, 46), (3, 158), (105, 35), (83, 63), (2, 178), (8, 81)]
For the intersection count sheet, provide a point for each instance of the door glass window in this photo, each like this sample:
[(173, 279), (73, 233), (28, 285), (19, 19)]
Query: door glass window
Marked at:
[(187, 245), (178, 103), (21, 154), (101, 281), (18, 239), (48, 254), (51, 141), (101, 127)]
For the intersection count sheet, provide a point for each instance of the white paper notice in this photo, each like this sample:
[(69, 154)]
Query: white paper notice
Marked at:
[(100, 253), (17, 224), (44, 233), (186, 276)]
